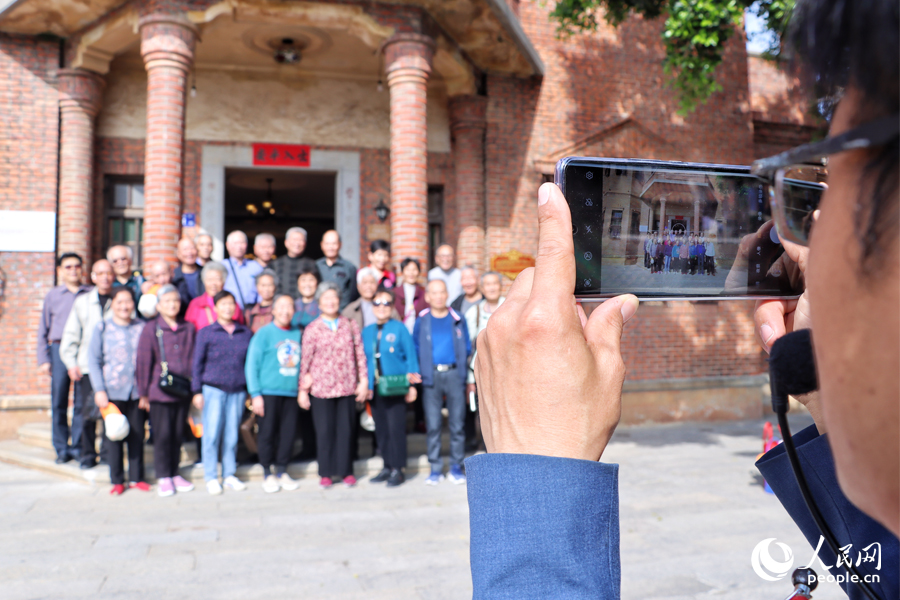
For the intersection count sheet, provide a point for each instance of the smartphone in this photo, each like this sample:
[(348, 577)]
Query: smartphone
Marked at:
[(672, 231)]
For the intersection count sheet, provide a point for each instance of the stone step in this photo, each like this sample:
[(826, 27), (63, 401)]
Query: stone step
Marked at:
[(42, 459), (34, 449)]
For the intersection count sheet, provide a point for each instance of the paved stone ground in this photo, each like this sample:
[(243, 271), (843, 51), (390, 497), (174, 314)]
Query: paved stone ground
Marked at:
[(691, 512)]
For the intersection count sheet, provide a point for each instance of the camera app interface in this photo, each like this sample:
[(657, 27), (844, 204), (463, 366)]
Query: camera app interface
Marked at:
[(658, 232)]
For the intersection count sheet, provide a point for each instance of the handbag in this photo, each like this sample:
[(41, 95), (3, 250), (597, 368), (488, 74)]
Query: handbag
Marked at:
[(173, 384), (388, 385)]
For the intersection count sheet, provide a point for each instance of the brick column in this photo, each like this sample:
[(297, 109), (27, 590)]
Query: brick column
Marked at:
[(467, 124), (167, 47), (662, 216), (408, 61), (697, 224), (80, 96)]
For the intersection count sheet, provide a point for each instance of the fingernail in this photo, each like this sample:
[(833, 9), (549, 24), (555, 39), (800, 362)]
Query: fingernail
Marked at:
[(766, 333), (543, 194), (629, 307)]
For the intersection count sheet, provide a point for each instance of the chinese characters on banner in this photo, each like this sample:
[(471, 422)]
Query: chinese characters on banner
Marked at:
[(280, 155)]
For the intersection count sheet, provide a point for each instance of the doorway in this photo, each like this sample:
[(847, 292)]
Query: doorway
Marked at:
[(274, 200)]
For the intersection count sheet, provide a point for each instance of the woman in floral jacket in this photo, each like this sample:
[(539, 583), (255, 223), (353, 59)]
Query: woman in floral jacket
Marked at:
[(333, 375)]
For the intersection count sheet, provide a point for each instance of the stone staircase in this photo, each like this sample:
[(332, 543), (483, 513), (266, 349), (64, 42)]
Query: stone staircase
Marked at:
[(33, 449)]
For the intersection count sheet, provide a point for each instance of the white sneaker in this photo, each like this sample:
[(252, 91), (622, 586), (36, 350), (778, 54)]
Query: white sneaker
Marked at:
[(271, 485), (214, 487), (287, 483), (234, 484)]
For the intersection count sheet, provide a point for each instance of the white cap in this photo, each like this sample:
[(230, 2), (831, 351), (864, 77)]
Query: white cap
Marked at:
[(116, 426)]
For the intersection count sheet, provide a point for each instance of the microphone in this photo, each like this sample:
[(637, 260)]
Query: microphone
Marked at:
[(792, 372), (792, 368)]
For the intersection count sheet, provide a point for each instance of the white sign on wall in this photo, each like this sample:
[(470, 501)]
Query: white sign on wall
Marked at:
[(27, 231)]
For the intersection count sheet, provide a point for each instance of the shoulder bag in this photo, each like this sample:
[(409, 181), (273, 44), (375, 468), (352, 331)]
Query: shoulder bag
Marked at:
[(388, 385), (171, 383)]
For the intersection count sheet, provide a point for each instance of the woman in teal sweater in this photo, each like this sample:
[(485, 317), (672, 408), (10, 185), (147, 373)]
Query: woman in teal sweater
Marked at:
[(388, 343), (272, 370)]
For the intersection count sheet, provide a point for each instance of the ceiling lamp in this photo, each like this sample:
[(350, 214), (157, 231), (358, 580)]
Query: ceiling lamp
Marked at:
[(287, 53), (251, 208)]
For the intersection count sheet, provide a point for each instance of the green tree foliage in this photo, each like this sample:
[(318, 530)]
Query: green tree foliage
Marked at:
[(694, 34)]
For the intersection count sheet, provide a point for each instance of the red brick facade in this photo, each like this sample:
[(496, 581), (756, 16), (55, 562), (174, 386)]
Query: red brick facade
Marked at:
[(29, 103), (602, 94)]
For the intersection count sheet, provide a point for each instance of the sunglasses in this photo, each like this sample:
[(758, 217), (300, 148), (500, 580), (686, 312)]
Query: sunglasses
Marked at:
[(70, 267), (381, 303)]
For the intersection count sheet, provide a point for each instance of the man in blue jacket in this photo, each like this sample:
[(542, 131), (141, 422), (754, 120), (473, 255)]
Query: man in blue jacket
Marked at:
[(442, 343), (544, 511)]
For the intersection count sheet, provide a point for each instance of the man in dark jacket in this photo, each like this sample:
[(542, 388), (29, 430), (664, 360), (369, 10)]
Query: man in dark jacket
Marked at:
[(336, 269), (442, 342), (287, 267), (186, 277)]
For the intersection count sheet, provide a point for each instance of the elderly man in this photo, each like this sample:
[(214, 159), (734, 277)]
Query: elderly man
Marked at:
[(361, 310), (121, 259), (204, 243), (158, 274), (471, 295), (242, 273), (57, 306), (264, 249), (187, 274), (87, 311), (287, 267), (446, 272), (336, 269)]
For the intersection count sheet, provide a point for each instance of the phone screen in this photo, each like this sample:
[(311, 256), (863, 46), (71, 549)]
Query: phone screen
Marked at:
[(673, 230)]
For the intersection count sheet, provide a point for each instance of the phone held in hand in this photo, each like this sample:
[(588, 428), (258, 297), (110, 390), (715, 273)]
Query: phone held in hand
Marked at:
[(673, 231)]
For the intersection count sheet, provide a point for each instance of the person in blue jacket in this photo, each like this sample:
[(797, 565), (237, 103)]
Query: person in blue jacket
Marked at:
[(544, 511), (443, 345), (272, 371), (390, 351)]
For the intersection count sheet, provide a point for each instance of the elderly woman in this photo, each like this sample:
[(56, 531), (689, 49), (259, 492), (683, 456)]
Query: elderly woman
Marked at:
[(390, 351), (308, 279), (360, 310), (112, 356), (167, 342), (202, 310), (332, 375), (220, 389), (272, 370), (260, 314)]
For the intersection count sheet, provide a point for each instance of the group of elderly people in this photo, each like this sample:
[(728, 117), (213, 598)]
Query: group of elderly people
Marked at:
[(198, 345)]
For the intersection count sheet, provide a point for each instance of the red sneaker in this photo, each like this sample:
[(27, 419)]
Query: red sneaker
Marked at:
[(325, 482), (117, 490), (350, 481), (140, 485)]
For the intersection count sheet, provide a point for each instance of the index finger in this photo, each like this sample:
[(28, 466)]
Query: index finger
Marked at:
[(554, 269)]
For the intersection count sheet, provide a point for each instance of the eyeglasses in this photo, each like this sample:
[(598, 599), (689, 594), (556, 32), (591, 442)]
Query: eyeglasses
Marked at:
[(381, 303), (70, 267), (797, 178)]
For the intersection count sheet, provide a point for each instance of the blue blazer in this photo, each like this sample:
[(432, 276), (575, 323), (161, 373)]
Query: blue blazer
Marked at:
[(849, 524), (398, 353), (462, 346)]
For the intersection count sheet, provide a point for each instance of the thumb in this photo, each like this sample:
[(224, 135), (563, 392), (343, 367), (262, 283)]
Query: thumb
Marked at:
[(604, 327)]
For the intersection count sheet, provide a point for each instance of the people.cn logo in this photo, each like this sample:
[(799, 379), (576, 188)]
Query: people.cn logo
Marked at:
[(767, 567)]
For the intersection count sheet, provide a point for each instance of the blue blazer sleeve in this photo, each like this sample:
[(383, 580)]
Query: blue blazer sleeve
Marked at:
[(848, 523), (543, 527)]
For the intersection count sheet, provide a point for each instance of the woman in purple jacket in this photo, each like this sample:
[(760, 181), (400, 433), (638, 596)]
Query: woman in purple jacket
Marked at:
[(168, 413)]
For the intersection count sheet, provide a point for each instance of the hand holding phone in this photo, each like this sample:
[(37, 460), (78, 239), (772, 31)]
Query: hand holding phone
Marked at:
[(549, 379)]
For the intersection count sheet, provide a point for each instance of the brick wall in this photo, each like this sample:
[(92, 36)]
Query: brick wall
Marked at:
[(593, 80), (28, 181)]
